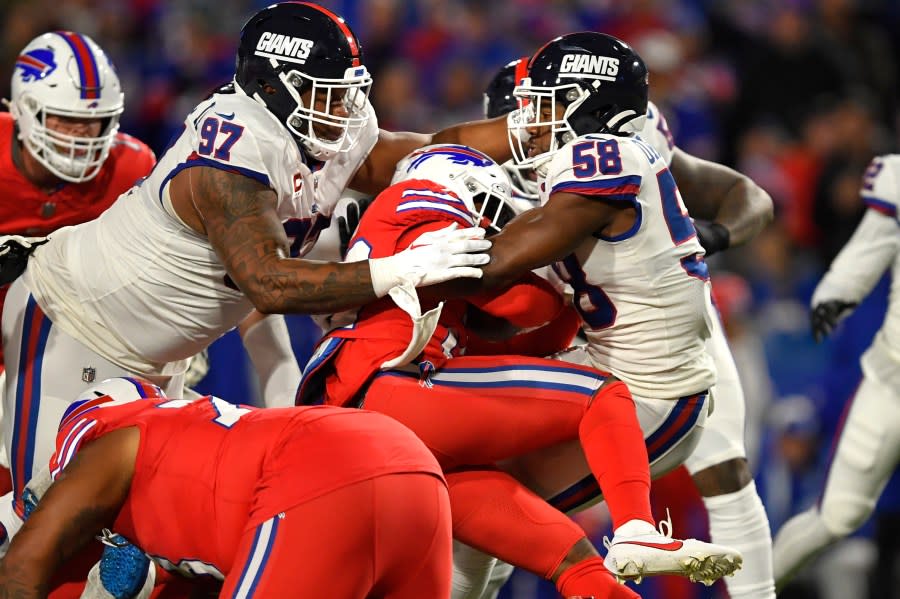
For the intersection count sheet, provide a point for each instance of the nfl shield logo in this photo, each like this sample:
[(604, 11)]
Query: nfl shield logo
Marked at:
[(88, 374)]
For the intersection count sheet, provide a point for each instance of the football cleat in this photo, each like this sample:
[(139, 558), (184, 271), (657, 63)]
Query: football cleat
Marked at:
[(654, 553)]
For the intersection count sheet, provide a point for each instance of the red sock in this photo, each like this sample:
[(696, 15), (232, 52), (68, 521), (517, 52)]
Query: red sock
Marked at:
[(589, 578), (494, 513), (613, 444)]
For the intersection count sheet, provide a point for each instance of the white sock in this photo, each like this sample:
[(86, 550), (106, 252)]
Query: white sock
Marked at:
[(797, 542), (739, 520), (471, 571), (499, 575), (634, 528)]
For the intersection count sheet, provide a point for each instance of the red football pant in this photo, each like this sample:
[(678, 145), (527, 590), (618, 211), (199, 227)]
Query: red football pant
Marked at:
[(479, 410), (389, 537)]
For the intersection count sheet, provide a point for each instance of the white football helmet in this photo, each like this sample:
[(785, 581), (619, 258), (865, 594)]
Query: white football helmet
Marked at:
[(478, 181), (65, 74), (109, 392)]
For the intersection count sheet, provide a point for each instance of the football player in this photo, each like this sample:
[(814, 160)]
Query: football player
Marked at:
[(63, 160), (214, 230), (431, 372), (612, 221), (263, 490), (868, 444), (735, 209)]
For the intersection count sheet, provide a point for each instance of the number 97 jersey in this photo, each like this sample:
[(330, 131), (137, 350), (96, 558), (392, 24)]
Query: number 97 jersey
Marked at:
[(642, 294)]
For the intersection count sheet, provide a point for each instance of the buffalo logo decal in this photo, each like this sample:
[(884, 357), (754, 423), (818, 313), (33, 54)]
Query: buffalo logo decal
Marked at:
[(36, 64)]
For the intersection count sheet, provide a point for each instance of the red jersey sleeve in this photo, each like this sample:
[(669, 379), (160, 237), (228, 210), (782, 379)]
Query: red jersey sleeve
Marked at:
[(530, 302), (543, 341)]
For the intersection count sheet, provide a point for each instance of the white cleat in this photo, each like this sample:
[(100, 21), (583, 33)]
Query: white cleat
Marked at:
[(655, 553)]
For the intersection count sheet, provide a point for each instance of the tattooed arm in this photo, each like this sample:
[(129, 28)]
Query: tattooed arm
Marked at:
[(237, 214), (84, 499)]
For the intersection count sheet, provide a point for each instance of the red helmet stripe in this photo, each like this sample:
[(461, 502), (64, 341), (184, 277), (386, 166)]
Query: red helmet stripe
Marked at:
[(521, 70), (342, 25), (87, 66)]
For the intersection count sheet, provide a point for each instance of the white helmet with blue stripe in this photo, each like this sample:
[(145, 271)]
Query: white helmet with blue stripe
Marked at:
[(66, 74), (476, 179)]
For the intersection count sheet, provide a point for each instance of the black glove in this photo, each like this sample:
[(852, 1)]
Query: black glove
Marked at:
[(825, 315), (14, 253), (714, 237), (347, 225)]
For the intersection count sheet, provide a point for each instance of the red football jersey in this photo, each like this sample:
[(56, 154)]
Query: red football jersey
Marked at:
[(208, 470), (28, 210), (382, 331)]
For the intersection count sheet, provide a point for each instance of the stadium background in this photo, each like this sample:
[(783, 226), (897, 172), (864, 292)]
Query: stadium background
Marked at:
[(798, 94)]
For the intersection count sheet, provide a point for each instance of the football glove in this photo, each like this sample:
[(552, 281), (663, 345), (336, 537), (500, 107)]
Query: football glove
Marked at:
[(123, 572), (347, 224), (825, 316), (434, 257), (714, 237), (14, 253)]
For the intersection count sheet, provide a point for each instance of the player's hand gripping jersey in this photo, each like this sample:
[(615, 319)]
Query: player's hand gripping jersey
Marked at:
[(161, 293), (643, 295), (382, 330), (207, 470)]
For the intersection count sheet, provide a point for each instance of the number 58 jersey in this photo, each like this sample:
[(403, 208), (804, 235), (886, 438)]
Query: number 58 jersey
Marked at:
[(642, 294)]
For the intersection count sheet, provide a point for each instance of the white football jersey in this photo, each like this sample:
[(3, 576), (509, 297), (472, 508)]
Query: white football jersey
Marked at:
[(643, 295), (873, 249), (141, 288)]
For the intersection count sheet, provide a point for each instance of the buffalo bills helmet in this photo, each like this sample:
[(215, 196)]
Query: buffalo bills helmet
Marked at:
[(65, 74), (479, 182), (577, 84), (118, 390), (292, 48), (499, 100)]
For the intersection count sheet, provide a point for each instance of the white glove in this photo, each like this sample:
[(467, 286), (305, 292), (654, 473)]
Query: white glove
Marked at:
[(434, 257)]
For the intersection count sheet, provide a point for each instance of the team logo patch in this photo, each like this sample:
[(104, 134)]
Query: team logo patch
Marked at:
[(283, 47), (592, 67), (88, 374), (456, 155), (36, 64)]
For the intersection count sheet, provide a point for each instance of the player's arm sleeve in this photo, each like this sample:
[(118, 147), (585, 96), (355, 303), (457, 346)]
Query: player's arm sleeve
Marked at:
[(656, 132), (861, 263), (85, 498), (529, 302), (553, 337), (876, 241)]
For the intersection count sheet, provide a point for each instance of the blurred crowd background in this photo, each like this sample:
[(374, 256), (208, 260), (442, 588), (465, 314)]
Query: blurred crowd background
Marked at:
[(798, 94)]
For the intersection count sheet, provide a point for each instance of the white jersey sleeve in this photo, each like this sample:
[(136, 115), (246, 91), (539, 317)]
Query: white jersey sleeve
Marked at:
[(881, 185), (873, 249), (656, 133), (642, 293), (875, 244)]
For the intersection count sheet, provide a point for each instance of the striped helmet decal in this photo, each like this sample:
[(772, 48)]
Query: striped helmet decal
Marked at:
[(87, 64), (342, 25)]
